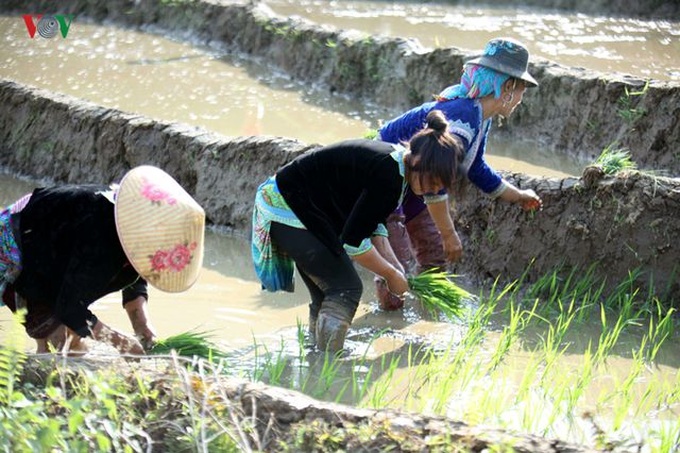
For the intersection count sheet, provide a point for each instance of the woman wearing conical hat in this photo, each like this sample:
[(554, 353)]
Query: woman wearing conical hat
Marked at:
[(491, 85), (63, 248)]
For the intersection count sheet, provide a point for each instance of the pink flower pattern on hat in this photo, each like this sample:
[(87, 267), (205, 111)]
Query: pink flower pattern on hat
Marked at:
[(174, 259), (155, 194)]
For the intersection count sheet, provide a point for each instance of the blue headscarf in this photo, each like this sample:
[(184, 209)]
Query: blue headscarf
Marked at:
[(476, 82)]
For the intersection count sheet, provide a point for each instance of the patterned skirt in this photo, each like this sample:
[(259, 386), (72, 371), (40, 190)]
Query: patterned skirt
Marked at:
[(274, 268)]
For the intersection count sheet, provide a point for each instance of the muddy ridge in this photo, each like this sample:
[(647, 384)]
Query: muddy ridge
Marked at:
[(574, 111), (280, 414)]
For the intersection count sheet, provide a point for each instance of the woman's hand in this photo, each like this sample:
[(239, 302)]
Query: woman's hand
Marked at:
[(396, 282), (144, 331), (529, 201), (453, 248), (526, 198), (376, 263)]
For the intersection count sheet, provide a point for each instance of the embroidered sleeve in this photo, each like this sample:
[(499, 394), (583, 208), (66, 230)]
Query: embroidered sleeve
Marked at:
[(380, 231), (364, 247), (435, 198)]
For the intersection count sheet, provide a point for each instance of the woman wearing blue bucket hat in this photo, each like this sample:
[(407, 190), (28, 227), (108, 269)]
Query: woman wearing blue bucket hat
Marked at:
[(491, 85)]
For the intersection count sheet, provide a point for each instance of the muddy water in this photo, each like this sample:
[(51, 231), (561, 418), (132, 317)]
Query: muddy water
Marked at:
[(165, 79), (226, 300), (647, 49)]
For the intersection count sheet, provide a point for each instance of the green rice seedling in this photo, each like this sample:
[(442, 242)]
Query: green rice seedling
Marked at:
[(667, 438), (518, 321), (671, 395), (661, 327), (437, 292), (274, 364), (444, 384), (529, 375), (613, 160), (417, 375), (460, 367), (556, 287), (189, 344), (622, 394), (627, 109), (360, 383), (627, 316), (324, 377), (552, 349), (382, 386)]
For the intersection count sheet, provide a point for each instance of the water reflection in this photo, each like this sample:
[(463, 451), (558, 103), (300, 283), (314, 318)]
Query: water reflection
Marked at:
[(644, 48), (173, 81)]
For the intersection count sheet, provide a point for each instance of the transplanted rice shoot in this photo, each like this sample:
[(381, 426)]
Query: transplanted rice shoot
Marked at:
[(437, 292)]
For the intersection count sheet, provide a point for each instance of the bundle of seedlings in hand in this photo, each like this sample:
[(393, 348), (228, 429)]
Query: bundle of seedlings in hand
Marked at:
[(189, 344), (437, 292)]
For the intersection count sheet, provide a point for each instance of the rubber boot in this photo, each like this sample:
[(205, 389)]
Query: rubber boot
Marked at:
[(402, 249), (332, 325), (426, 242)]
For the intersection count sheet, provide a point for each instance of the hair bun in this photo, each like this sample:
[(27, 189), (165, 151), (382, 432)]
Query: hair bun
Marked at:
[(436, 121)]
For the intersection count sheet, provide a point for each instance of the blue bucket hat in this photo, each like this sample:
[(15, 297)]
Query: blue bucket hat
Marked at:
[(507, 56)]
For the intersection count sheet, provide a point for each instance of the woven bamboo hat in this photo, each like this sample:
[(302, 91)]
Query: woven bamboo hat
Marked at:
[(161, 228)]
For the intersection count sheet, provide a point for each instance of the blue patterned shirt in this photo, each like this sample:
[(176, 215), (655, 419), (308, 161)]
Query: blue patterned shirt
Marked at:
[(466, 121)]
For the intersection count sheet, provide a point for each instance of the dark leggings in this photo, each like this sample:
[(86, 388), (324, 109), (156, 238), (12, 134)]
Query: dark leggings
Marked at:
[(327, 276)]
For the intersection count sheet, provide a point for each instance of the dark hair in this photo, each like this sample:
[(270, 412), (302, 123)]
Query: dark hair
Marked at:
[(438, 153)]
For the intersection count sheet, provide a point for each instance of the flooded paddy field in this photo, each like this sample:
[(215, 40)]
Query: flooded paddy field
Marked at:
[(169, 80), (553, 359), (642, 48)]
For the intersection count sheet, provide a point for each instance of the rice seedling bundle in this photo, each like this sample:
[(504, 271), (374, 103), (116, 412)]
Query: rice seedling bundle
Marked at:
[(189, 344), (613, 160), (437, 292)]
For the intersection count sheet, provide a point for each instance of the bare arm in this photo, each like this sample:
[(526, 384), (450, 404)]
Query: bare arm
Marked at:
[(374, 262), (440, 213), (382, 245), (124, 343), (526, 198), (137, 312)]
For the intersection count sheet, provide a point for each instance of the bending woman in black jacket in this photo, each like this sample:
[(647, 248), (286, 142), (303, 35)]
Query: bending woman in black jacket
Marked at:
[(329, 206)]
